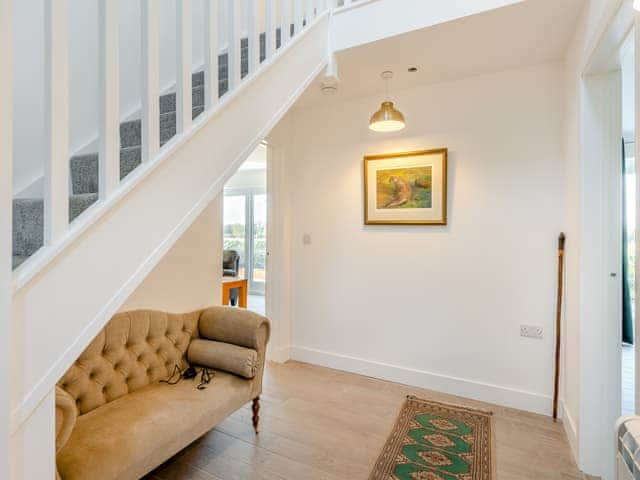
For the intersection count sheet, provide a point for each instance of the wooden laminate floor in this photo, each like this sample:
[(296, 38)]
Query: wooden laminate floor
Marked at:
[(318, 423)]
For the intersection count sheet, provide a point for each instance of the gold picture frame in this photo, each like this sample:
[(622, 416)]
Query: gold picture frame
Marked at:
[(408, 188)]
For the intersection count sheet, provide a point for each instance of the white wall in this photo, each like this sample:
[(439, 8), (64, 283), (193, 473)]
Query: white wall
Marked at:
[(188, 277), (438, 307)]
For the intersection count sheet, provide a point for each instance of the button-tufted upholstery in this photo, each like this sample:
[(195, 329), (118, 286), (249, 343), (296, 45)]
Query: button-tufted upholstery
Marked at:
[(114, 420), (134, 350)]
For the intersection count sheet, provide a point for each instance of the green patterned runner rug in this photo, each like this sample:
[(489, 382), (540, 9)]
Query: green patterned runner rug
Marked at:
[(437, 441)]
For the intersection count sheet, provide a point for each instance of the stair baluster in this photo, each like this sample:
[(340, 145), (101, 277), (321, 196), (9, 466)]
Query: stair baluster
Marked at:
[(270, 28), (184, 109), (109, 153), (56, 171), (287, 19), (6, 206), (234, 55), (211, 49), (253, 31), (150, 81)]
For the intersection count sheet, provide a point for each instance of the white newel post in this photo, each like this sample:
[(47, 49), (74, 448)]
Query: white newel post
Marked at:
[(150, 81), (183, 66), (6, 205), (211, 50), (109, 159), (270, 28), (253, 35), (235, 33), (56, 177)]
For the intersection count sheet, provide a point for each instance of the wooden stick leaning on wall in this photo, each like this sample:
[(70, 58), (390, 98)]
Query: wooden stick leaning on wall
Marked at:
[(556, 384)]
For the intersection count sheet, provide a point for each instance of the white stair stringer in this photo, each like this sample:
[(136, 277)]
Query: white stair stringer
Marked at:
[(60, 308)]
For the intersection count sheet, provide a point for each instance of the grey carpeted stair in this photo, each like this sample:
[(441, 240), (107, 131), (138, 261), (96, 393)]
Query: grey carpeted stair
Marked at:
[(28, 223), (28, 213)]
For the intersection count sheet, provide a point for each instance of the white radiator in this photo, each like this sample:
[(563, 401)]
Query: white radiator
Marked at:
[(628, 451)]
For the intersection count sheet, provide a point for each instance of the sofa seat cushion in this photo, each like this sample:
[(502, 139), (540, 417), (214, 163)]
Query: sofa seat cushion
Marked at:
[(130, 436)]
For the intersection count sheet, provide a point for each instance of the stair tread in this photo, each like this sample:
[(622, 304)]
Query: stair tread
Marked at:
[(28, 221), (18, 260)]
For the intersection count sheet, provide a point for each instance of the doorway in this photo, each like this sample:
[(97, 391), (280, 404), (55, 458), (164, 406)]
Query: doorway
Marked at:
[(629, 189), (245, 225)]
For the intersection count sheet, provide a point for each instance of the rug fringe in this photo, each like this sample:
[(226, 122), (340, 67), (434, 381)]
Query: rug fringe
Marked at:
[(451, 405)]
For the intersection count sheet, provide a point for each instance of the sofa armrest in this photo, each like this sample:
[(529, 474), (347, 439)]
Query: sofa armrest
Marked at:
[(236, 326), (239, 327), (66, 416)]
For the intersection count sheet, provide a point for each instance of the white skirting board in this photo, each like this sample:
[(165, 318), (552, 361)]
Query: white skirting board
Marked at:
[(504, 396)]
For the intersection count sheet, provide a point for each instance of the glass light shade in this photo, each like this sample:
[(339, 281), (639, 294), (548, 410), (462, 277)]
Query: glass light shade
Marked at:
[(387, 119)]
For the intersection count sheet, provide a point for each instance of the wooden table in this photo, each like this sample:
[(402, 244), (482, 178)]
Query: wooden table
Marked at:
[(234, 282)]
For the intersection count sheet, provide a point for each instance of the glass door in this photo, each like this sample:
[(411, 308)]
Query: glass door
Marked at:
[(235, 228), (259, 244), (245, 231)]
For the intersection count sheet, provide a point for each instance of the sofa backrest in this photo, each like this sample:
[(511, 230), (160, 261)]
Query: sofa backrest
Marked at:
[(133, 350)]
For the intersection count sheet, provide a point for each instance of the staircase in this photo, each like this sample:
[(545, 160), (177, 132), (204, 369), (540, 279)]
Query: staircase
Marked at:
[(28, 213)]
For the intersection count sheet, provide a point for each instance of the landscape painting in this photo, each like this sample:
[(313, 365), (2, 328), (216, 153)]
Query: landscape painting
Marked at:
[(406, 188)]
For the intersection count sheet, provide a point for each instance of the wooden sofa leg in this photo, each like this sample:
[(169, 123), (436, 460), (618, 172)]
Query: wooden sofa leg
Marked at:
[(255, 407)]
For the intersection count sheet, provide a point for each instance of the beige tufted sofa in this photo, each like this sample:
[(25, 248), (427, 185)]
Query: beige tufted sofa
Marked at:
[(115, 420)]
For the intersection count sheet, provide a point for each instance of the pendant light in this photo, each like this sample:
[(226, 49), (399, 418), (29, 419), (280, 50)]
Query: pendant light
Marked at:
[(388, 118)]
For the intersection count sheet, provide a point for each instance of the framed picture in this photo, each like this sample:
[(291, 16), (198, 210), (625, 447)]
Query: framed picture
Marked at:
[(406, 188)]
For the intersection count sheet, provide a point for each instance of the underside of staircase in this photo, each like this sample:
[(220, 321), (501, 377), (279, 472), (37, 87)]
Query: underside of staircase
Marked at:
[(28, 213)]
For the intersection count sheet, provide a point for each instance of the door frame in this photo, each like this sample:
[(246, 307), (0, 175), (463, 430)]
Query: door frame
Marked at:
[(600, 280)]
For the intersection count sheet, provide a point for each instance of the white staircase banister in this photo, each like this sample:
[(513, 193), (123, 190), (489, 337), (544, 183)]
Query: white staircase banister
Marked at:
[(150, 80), (183, 66), (109, 153), (211, 49), (235, 33), (56, 172), (6, 229), (270, 28)]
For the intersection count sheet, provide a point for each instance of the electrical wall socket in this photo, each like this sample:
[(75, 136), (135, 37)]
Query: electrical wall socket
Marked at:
[(531, 331)]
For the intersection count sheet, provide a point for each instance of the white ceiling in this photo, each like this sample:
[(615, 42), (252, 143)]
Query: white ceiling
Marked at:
[(528, 33)]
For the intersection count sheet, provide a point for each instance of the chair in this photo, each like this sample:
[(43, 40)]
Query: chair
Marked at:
[(231, 268)]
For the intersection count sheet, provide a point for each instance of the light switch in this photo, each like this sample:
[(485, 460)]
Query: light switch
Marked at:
[(306, 239)]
